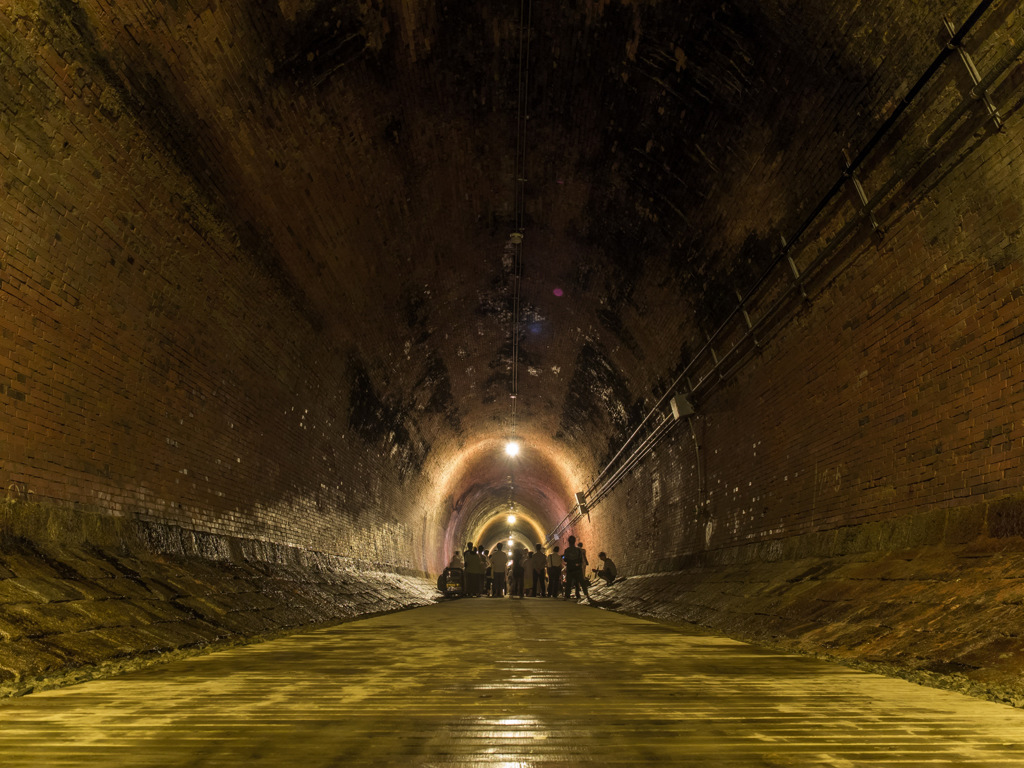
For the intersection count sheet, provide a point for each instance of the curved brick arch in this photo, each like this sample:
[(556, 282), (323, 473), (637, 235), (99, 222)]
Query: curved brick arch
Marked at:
[(257, 290)]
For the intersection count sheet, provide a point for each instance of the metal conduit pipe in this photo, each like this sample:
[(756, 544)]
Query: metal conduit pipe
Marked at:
[(635, 458), (606, 486), (602, 485), (837, 187), (853, 224), (596, 495), (866, 150)]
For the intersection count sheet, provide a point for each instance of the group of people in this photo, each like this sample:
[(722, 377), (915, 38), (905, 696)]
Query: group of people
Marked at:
[(522, 573)]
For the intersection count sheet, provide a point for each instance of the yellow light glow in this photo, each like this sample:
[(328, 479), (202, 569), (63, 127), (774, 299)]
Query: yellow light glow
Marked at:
[(512, 448), (511, 519)]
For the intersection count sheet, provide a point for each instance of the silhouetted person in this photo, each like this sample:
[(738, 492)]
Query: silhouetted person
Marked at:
[(485, 563), (488, 572), (456, 561), (518, 573), (527, 572), (474, 571), (607, 571), (554, 573), (468, 555), (538, 561), (499, 560), (573, 558)]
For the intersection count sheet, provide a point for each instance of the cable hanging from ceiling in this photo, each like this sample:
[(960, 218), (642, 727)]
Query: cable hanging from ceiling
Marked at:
[(518, 224), (516, 238)]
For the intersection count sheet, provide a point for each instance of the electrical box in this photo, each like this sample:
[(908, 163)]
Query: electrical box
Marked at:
[(581, 499), (681, 406)]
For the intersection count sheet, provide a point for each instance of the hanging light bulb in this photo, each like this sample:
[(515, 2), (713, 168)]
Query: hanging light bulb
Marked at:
[(512, 448)]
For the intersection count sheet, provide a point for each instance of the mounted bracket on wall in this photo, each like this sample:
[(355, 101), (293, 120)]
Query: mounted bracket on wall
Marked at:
[(794, 270), (972, 71), (681, 406), (746, 319), (862, 196)]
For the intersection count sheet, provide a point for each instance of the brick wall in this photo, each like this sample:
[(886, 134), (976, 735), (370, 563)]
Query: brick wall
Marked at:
[(157, 365), (150, 367), (169, 347), (86, 595), (896, 388)]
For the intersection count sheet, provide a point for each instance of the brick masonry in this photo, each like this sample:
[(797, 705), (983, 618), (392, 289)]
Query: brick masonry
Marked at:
[(150, 365), (107, 595), (251, 298), (185, 463), (931, 598), (886, 410), (895, 389)]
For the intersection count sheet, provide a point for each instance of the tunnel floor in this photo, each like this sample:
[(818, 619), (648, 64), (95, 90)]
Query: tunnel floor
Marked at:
[(505, 683)]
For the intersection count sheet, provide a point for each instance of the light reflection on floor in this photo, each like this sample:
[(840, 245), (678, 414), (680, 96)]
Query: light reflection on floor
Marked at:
[(523, 684)]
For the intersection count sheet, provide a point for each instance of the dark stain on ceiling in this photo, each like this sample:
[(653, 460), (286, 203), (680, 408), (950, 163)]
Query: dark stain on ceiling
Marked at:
[(364, 155)]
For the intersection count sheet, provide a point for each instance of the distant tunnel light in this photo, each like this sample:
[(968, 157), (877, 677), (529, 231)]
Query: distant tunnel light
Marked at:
[(511, 519), (512, 448)]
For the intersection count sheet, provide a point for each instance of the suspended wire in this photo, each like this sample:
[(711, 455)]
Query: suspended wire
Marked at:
[(522, 112), (522, 117), (516, 284), (518, 223)]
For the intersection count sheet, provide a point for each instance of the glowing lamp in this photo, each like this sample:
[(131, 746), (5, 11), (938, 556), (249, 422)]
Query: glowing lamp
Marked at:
[(512, 448)]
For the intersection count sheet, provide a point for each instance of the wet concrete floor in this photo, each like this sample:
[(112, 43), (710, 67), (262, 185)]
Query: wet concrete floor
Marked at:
[(509, 684)]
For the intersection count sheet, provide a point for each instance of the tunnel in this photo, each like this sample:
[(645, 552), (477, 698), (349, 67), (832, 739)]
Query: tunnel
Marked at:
[(741, 282)]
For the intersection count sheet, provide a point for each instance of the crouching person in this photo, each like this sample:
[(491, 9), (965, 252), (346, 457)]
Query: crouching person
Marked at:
[(607, 571)]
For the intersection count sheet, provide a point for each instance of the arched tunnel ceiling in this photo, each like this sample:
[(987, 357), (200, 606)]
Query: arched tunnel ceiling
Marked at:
[(487, 485), (364, 153)]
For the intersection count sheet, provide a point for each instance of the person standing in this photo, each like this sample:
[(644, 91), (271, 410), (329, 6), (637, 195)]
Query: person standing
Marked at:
[(518, 573), (485, 563), (488, 572), (573, 558), (467, 577), (527, 572), (499, 560), (474, 572), (538, 562), (554, 573), (586, 562)]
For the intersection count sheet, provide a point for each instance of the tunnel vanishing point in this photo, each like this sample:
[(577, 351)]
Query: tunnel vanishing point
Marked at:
[(743, 280)]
